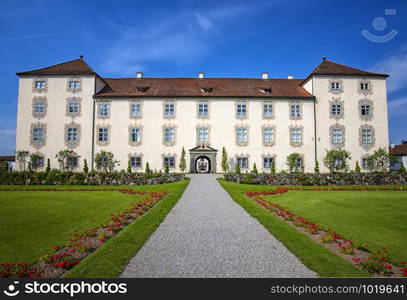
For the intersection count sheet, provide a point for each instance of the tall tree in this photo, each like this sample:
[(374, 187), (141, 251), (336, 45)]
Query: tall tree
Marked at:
[(225, 164), (48, 168), (182, 162), (381, 160), (21, 157), (337, 160)]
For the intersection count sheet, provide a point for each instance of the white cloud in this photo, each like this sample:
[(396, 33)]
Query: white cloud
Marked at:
[(182, 39), (26, 37), (7, 132), (397, 106), (396, 66)]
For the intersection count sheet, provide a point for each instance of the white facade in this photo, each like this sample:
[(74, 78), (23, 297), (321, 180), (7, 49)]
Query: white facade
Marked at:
[(308, 133)]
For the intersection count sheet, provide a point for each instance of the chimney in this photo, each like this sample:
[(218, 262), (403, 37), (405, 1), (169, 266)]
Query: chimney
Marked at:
[(290, 77), (139, 75), (392, 145), (264, 75), (201, 75)]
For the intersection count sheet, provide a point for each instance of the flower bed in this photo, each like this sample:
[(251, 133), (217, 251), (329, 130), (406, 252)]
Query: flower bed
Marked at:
[(64, 257), (376, 263)]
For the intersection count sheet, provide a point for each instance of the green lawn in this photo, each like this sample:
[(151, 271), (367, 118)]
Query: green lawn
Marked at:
[(374, 217), (31, 223), (313, 255), (110, 259)]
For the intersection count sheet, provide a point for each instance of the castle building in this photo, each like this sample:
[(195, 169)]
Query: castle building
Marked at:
[(257, 120)]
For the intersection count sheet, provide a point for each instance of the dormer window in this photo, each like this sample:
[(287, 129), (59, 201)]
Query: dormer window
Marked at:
[(265, 90), (142, 89), (206, 90)]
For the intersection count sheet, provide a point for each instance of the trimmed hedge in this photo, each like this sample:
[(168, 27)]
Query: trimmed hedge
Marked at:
[(70, 178), (319, 179)]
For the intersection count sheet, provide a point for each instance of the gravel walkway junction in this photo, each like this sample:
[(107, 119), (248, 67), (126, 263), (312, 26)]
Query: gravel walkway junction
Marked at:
[(207, 234)]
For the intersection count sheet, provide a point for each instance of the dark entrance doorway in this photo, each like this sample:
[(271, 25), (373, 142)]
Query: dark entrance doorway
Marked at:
[(203, 164)]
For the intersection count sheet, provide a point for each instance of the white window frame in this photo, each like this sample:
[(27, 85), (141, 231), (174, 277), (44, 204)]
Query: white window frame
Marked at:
[(269, 163), (135, 110), (337, 136), (336, 109), (136, 162), (170, 160), (367, 136), (241, 110), (242, 135), (103, 134), (74, 84), (243, 162), (38, 134), (40, 84), (72, 134), (268, 110), (295, 110), (296, 136), (169, 110), (169, 134), (203, 110), (104, 110)]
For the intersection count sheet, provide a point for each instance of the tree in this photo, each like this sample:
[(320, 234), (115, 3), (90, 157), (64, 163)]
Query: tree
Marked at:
[(129, 166), (237, 168), (295, 162), (48, 167), (402, 168), (34, 159), (3, 166), (166, 169), (336, 160), (316, 169), (273, 167), (357, 168), (62, 158), (21, 157), (105, 161), (254, 169), (182, 162), (148, 171), (381, 160), (85, 166), (225, 164)]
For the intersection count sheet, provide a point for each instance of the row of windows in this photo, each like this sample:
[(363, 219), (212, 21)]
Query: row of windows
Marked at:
[(74, 107), (242, 135), (42, 84), (169, 110), (243, 162), (338, 85), (337, 109)]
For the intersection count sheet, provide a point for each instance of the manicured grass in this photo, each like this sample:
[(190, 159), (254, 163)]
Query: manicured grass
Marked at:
[(31, 223), (110, 259), (374, 217), (312, 254)]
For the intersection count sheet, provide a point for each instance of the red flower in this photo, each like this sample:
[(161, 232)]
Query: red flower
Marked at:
[(388, 266)]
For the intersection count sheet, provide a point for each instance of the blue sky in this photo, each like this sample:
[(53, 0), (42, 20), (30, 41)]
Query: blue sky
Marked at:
[(182, 38)]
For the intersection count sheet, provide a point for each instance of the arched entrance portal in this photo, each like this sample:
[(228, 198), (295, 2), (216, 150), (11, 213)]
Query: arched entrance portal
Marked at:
[(202, 159), (203, 164)]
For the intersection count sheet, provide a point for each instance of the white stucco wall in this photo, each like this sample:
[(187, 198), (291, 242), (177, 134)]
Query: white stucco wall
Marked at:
[(222, 122), (55, 117), (351, 120)]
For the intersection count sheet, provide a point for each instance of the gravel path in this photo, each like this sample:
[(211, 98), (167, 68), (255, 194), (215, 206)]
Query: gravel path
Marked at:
[(207, 234)]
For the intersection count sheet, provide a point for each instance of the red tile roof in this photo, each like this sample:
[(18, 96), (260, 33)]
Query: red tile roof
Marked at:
[(399, 150), (200, 87), (327, 67), (73, 67), (204, 87), (7, 158)]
